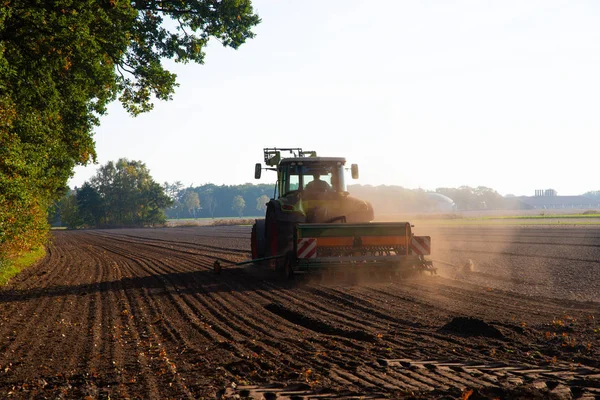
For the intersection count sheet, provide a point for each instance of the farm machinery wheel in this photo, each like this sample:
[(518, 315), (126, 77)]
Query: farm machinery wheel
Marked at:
[(253, 243), (279, 236), (257, 239), (272, 239)]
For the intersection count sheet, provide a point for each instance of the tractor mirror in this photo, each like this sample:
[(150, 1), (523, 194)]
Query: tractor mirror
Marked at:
[(257, 171), (354, 169)]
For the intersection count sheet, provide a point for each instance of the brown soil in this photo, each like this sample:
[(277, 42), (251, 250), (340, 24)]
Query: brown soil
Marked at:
[(140, 314)]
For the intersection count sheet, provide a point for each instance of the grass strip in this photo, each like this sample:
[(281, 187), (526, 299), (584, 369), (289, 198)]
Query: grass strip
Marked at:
[(541, 216), (233, 222), (506, 221), (10, 268)]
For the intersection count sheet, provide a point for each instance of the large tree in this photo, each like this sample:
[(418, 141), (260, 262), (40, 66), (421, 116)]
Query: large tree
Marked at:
[(63, 61), (129, 196)]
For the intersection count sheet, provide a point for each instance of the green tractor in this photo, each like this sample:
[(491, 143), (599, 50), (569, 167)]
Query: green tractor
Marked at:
[(312, 222)]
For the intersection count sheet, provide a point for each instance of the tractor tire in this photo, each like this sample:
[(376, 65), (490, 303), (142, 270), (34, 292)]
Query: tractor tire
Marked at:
[(279, 236), (257, 239), (253, 243), (272, 239)]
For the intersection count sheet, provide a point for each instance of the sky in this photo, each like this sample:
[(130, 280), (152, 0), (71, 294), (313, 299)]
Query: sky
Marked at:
[(421, 94)]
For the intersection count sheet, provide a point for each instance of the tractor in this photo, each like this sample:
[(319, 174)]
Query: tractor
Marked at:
[(313, 223)]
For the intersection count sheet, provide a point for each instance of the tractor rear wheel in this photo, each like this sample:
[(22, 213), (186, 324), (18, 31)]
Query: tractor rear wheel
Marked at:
[(272, 239), (279, 237), (254, 243)]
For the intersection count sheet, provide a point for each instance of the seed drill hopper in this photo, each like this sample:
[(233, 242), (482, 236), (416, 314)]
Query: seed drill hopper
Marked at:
[(312, 223)]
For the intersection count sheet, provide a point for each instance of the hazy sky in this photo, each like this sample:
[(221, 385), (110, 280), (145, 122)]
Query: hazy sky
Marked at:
[(504, 94)]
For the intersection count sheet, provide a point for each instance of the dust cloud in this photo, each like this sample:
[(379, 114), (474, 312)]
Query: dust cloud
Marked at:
[(548, 261)]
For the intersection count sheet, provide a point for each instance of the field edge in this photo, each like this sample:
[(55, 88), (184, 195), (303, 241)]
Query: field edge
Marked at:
[(11, 268)]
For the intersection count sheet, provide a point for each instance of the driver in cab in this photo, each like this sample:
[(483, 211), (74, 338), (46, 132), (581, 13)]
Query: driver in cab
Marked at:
[(318, 185)]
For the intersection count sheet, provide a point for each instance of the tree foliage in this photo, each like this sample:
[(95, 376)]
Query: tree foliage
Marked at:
[(593, 194), (211, 203), (69, 210), (479, 198), (238, 204), (397, 199), (261, 203), (91, 206), (120, 194), (62, 62), (123, 194), (216, 201), (192, 202)]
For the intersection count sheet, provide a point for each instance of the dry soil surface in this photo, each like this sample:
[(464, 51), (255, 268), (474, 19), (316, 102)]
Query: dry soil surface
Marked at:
[(140, 314)]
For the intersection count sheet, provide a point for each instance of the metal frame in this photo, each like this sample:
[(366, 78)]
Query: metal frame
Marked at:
[(393, 262)]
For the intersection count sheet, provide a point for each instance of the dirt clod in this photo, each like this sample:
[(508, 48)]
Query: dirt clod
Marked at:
[(469, 326)]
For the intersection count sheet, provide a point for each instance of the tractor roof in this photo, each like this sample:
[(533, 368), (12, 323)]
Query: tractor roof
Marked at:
[(310, 160)]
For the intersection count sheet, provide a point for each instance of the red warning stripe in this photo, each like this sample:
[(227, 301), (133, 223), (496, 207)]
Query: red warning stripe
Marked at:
[(421, 245), (307, 248)]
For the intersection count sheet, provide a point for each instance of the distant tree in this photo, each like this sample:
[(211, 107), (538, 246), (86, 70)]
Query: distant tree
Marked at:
[(54, 214), (129, 194), (594, 194), (153, 201), (463, 196), (69, 211), (177, 207), (261, 203), (173, 189), (480, 198), (489, 198), (191, 201), (238, 205), (211, 204), (90, 205), (175, 192)]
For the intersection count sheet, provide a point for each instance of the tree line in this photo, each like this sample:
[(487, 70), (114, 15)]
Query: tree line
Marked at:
[(217, 201), (212, 201), (123, 194), (397, 199), (593, 194)]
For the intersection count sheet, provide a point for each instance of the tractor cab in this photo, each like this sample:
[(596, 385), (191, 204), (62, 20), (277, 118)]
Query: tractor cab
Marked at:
[(304, 174), (312, 177)]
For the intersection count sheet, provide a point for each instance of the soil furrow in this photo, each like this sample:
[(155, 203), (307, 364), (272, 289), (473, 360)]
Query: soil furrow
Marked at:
[(139, 313), (216, 321)]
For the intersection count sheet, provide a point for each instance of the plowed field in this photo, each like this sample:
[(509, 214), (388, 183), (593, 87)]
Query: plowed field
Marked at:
[(140, 314)]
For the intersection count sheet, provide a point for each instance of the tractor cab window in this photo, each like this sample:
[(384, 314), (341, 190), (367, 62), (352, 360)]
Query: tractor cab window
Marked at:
[(291, 178), (294, 182), (318, 180), (324, 178), (312, 177)]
